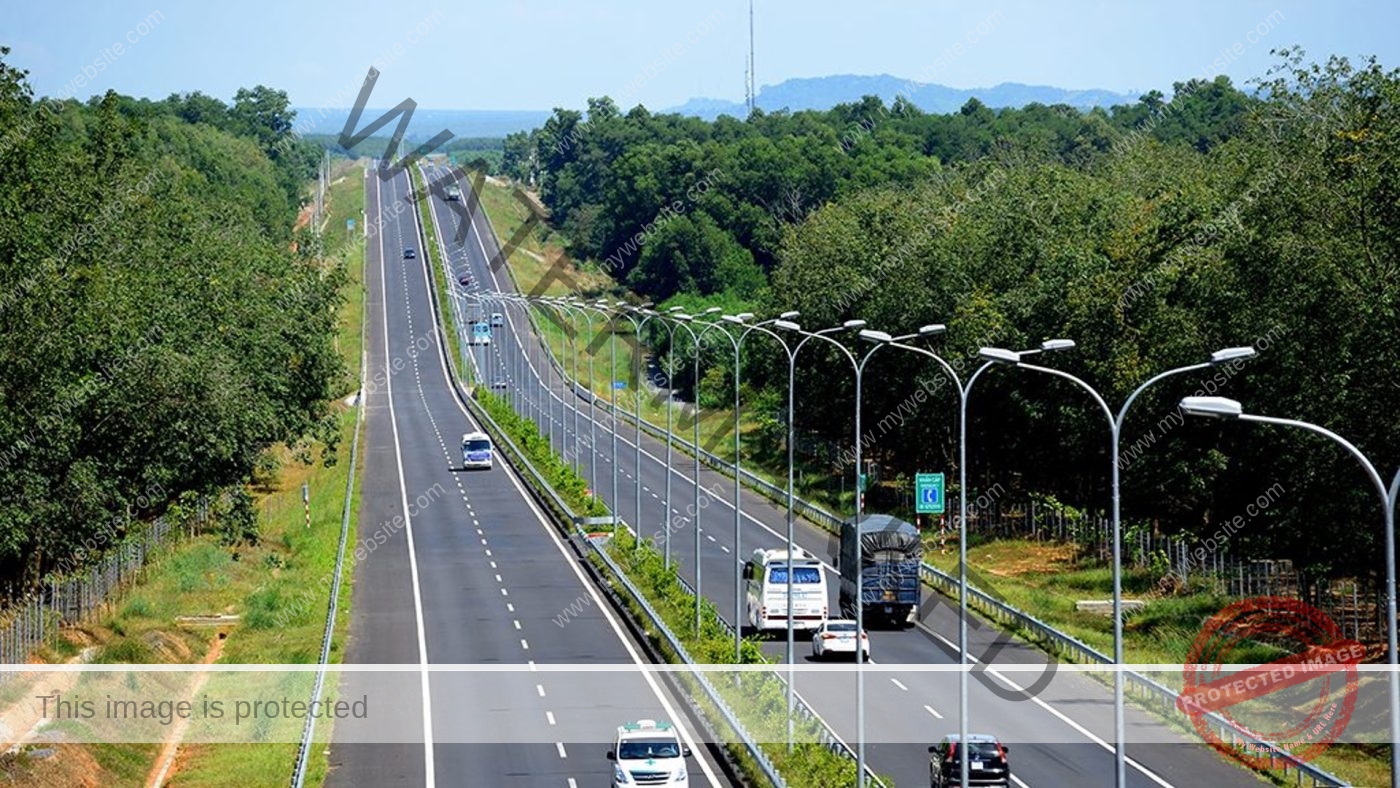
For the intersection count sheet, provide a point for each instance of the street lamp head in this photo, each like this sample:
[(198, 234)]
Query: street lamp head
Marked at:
[(683, 317), (1232, 353), (745, 316), (646, 305), (1212, 407), (999, 355), (853, 324), (675, 309), (875, 336), (787, 325), (1057, 344), (932, 328), (790, 315), (712, 310), (737, 319)]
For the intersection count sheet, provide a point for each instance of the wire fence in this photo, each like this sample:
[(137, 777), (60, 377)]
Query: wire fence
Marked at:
[(61, 599), (1176, 563)]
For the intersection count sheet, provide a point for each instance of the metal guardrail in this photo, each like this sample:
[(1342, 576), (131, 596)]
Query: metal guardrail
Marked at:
[(565, 513), (1153, 692), (1156, 694), (309, 731), (825, 736)]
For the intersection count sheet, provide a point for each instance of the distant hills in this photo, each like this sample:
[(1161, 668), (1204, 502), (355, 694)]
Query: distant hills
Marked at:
[(826, 92), (818, 93)]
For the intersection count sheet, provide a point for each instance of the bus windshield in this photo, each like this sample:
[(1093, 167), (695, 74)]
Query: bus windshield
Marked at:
[(477, 445), (803, 575)]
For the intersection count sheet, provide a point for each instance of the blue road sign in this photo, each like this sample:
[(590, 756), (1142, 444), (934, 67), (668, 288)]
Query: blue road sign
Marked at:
[(349, 224), (619, 384), (928, 493)]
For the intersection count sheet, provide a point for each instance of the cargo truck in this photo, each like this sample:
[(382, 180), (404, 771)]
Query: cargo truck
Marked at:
[(887, 574)]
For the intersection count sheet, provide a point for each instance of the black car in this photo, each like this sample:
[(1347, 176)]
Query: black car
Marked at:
[(987, 764), (464, 280), (409, 254)]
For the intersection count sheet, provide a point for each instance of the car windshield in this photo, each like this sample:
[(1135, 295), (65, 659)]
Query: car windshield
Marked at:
[(639, 749), (841, 626), (478, 445), (803, 574)]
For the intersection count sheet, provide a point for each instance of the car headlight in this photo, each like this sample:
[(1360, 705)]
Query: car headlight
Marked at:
[(619, 776), (680, 775)]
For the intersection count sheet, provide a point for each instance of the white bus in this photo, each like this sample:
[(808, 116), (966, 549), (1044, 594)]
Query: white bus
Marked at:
[(476, 450), (767, 578)]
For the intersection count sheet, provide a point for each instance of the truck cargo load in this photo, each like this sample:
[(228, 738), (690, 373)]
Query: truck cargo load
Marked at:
[(888, 570)]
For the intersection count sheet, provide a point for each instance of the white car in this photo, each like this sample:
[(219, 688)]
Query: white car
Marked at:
[(497, 319), (838, 636), (648, 752)]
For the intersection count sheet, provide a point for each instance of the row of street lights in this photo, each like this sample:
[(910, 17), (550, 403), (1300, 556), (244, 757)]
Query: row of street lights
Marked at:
[(991, 356)]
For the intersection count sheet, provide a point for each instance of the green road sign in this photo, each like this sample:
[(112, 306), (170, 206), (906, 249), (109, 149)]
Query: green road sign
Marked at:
[(928, 493), (864, 482)]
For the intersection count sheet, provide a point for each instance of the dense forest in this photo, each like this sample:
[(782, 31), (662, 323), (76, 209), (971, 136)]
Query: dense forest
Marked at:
[(1152, 234), (161, 321)]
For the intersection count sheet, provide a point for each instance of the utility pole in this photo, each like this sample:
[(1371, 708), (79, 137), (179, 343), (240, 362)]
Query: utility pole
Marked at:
[(752, 95)]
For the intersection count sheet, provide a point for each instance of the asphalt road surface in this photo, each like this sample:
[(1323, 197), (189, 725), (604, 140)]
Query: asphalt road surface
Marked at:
[(1061, 737), (469, 573)]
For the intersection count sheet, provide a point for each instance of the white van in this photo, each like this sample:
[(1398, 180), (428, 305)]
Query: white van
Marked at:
[(767, 576), (476, 450)]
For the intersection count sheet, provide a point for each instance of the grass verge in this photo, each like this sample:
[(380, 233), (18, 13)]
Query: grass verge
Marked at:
[(278, 586), (759, 702), (442, 287), (526, 436), (1049, 579)]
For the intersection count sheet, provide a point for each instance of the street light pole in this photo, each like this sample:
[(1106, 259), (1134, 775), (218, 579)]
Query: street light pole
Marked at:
[(788, 325), (791, 500), (592, 403), (684, 320), (1115, 423), (1223, 408), (670, 388), (573, 383), (738, 544), (637, 415)]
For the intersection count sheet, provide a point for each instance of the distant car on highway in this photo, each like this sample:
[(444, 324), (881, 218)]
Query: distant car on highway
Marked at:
[(499, 383), (409, 254), (648, 752), (986, 763), (465, 280), (838, 636), (481, 334), (454, 194), (497, 319)]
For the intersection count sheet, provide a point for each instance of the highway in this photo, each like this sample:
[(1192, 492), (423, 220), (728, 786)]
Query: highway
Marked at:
[(468, 572), (1062, 737)]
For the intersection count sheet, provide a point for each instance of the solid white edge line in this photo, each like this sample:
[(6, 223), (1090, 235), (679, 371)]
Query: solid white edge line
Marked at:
[(428, 766), (549, 529), (1085, 732)]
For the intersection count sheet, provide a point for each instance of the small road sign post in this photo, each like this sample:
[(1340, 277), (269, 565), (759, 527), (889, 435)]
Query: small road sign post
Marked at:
[(306, 501), (928, 493)]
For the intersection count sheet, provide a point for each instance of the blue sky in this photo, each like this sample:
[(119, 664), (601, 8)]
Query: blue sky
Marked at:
[(538, 54)]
